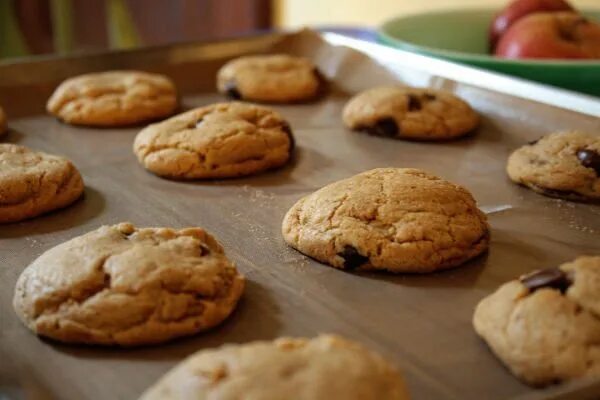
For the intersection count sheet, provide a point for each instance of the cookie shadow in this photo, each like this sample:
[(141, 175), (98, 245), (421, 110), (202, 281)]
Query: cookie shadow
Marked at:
[(12, 136), (256, 317), (87, 207), (273, 177), (489, 131), (463, 276), (301, 163)]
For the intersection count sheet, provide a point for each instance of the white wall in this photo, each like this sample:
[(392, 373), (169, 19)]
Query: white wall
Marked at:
[(295, 13)]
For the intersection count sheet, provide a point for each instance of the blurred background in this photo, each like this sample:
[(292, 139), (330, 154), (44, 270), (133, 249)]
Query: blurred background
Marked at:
[(30, 27)]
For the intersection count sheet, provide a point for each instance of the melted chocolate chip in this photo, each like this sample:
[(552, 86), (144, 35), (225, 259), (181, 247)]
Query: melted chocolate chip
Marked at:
[(589, 159), (352, 258), (322, 83), (288, 130), (383, 127), (107, 280), (414, 103), (320, 77), (232, 91), (554, 278), (197, 123), (204, 250)]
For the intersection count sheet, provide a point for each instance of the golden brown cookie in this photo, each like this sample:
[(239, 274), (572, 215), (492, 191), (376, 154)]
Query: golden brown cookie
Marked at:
[(394, 219), (276, 78), (410, 113), (33, 183), (545, 326), (324, 368), (217, 141), (128, 286), (114, 98), (564, 165)]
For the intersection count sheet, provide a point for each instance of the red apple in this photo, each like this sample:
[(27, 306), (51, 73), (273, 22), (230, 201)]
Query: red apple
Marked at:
[(519, 9), (551, 35)]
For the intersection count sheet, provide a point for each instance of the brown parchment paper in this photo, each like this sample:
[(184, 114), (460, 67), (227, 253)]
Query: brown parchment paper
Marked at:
[(421, 323)]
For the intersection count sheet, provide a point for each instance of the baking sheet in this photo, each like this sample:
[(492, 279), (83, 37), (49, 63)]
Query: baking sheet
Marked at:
[(421, 323)]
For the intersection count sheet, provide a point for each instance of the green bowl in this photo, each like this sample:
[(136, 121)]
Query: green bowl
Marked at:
[(462, 36)]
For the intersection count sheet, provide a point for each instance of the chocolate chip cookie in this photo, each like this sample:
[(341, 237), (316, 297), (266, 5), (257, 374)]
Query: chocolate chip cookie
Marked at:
[(3, 126), (128, 286), (394, 219), (564, 165), (114, 98), (545, 326), (409, 113), (218, 141), (275, 78), (324, 368), (34, 183)]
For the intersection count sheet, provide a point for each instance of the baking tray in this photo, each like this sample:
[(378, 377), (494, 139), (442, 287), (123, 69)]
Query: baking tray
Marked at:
[(422, 323)]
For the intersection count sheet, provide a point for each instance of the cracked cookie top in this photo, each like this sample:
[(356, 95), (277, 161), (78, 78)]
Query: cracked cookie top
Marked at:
[(563, 164), (275, 78), (3, 126), (545, 326), (326, 367), (122, 285), (395, 219), (409, 113), (33, 183), (114, 98), (217, 141)]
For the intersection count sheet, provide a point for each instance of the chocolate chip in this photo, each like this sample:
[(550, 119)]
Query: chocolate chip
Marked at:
[(554, 278), (429, 96), (352, 258), (232, 91), (204, 250), (320, 77), (414, 103), (107, 280), (288, 130), (383, 127), (589, 159), (322, 83)]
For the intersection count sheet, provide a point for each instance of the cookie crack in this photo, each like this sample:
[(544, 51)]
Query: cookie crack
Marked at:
[(196, 309), (589, 345), (34, 191), (335, 209), (388, 232), (79, 297)]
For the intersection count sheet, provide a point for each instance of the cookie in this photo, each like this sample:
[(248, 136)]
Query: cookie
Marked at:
[(564, 165), (218, 141), (128, 286), (34, 183), (545, 326), (114, 98), (394, 219), (270, 78), (324, 368), (3, 126), (410, 113)]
